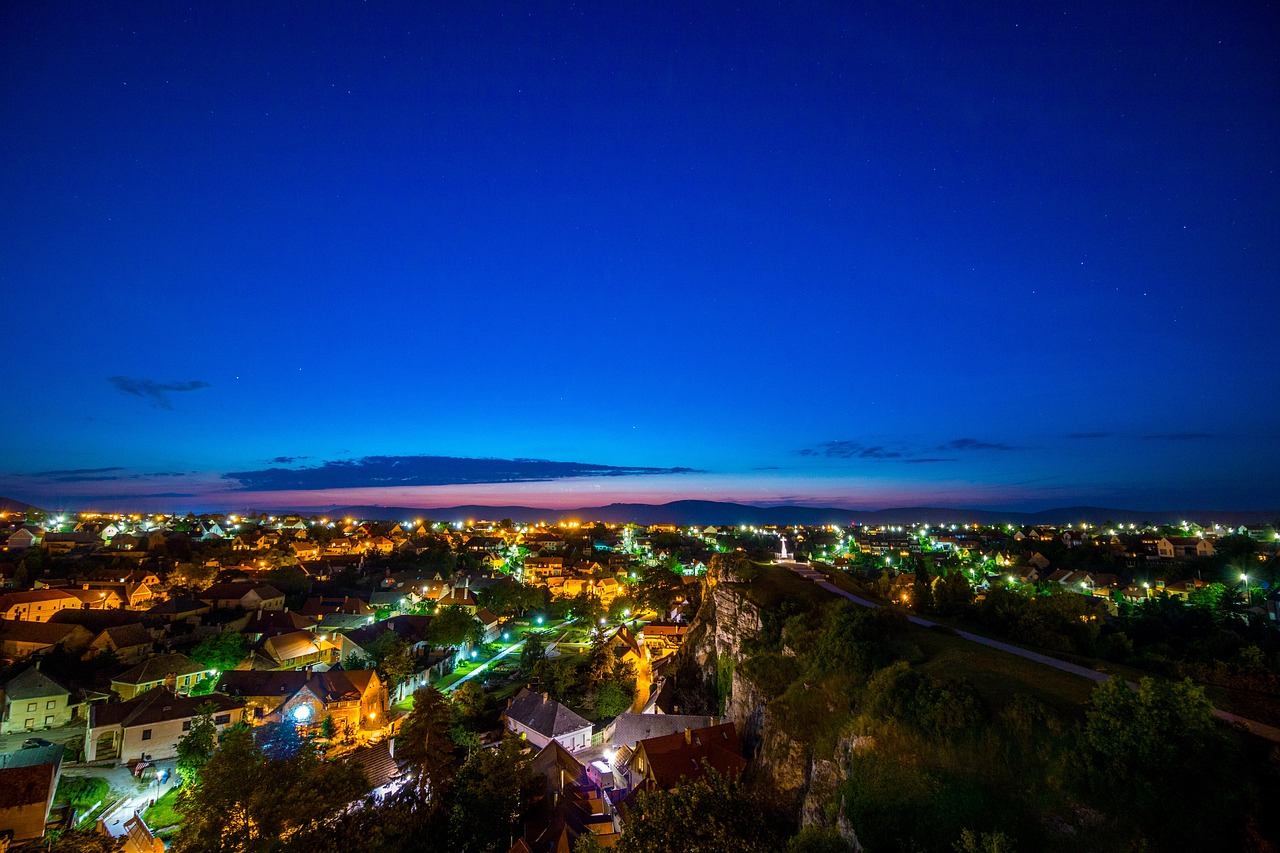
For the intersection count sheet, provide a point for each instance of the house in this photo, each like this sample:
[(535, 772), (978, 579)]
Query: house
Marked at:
[(660, 763), (28, 780), (175, 672), (66, 543), (135, 595), (458, 596), (273, 623), (244, 595), (299, 648), (184, 608), (568, 804), (148, 727), (262, 691), (20, 640), (628, 648), (129, 643), (96, 599), (607, 589), (23, 538), (394, 601), (541, 568), (540, 720), (492, 626), (305, 550), (380, 544), (317, 606), (662, 638), (36, 605), (1273, 605), (627, 730), (1183, 547), (33, 700), (355, 699)]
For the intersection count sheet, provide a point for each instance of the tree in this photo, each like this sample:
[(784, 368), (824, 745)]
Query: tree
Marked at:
[(984, 842), (533, 651), (1142, 741), (586, 608), (454, 626), (470, 700), (494, 788), (953, 594), (391, 655), (813, 839), (424, 746), (712, 814), (612, 699), (197, 745), (247, 801), (221, 651), (922, 590)]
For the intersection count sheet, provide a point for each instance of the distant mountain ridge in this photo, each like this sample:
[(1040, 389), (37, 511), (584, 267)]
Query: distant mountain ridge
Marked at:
[(719, 514), (723, 513)]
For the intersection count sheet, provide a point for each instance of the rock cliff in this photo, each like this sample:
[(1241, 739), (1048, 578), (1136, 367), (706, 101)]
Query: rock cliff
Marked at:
[(800, 784)]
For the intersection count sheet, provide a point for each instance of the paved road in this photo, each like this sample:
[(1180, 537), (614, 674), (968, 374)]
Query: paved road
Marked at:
[(1263, 730)]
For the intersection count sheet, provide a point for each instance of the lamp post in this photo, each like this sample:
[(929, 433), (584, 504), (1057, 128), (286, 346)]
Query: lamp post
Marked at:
[(1244, 588)]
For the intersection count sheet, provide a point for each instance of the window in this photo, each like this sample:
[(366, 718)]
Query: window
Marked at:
[(146, 734), (29, 725), (31, 706), (48, 706), (186, 725), (222, 719), (48, 722)]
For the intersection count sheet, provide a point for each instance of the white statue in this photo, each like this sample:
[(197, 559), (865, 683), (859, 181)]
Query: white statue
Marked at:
[(784, 548)]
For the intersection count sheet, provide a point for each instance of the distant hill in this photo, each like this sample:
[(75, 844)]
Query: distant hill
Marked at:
[(721, 514), (10, 505)]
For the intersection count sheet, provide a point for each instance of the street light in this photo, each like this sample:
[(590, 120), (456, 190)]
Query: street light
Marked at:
[(1244, 582)]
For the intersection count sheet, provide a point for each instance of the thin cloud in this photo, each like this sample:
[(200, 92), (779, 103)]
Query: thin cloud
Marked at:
[(975, 444), (72, 472), (1177, 436), (1090, 435), (156, 392), (373, 471), (287, 460), (851, 450)]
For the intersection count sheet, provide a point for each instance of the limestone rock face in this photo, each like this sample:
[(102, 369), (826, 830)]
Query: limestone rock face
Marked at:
[(806, 786)]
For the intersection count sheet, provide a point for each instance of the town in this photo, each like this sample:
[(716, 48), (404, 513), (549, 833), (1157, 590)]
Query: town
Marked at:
[(139, 651)]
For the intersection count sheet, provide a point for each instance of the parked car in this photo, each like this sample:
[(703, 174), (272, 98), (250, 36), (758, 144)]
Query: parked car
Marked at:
[(35, 743)]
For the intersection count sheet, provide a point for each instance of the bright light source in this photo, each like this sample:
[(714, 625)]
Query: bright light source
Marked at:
[(302, 713)]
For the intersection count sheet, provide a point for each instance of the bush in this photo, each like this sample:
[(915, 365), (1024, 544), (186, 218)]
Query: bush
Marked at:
[(81, 791), (771, 673)]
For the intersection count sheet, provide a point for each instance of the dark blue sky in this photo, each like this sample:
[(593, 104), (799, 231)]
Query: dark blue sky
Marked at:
[(982, 254)]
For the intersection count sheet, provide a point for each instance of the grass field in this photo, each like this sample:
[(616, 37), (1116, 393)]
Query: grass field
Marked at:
[(999, 676), (162, 812)]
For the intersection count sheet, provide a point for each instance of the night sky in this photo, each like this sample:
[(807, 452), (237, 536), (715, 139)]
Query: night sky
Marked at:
[(299, 254)]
